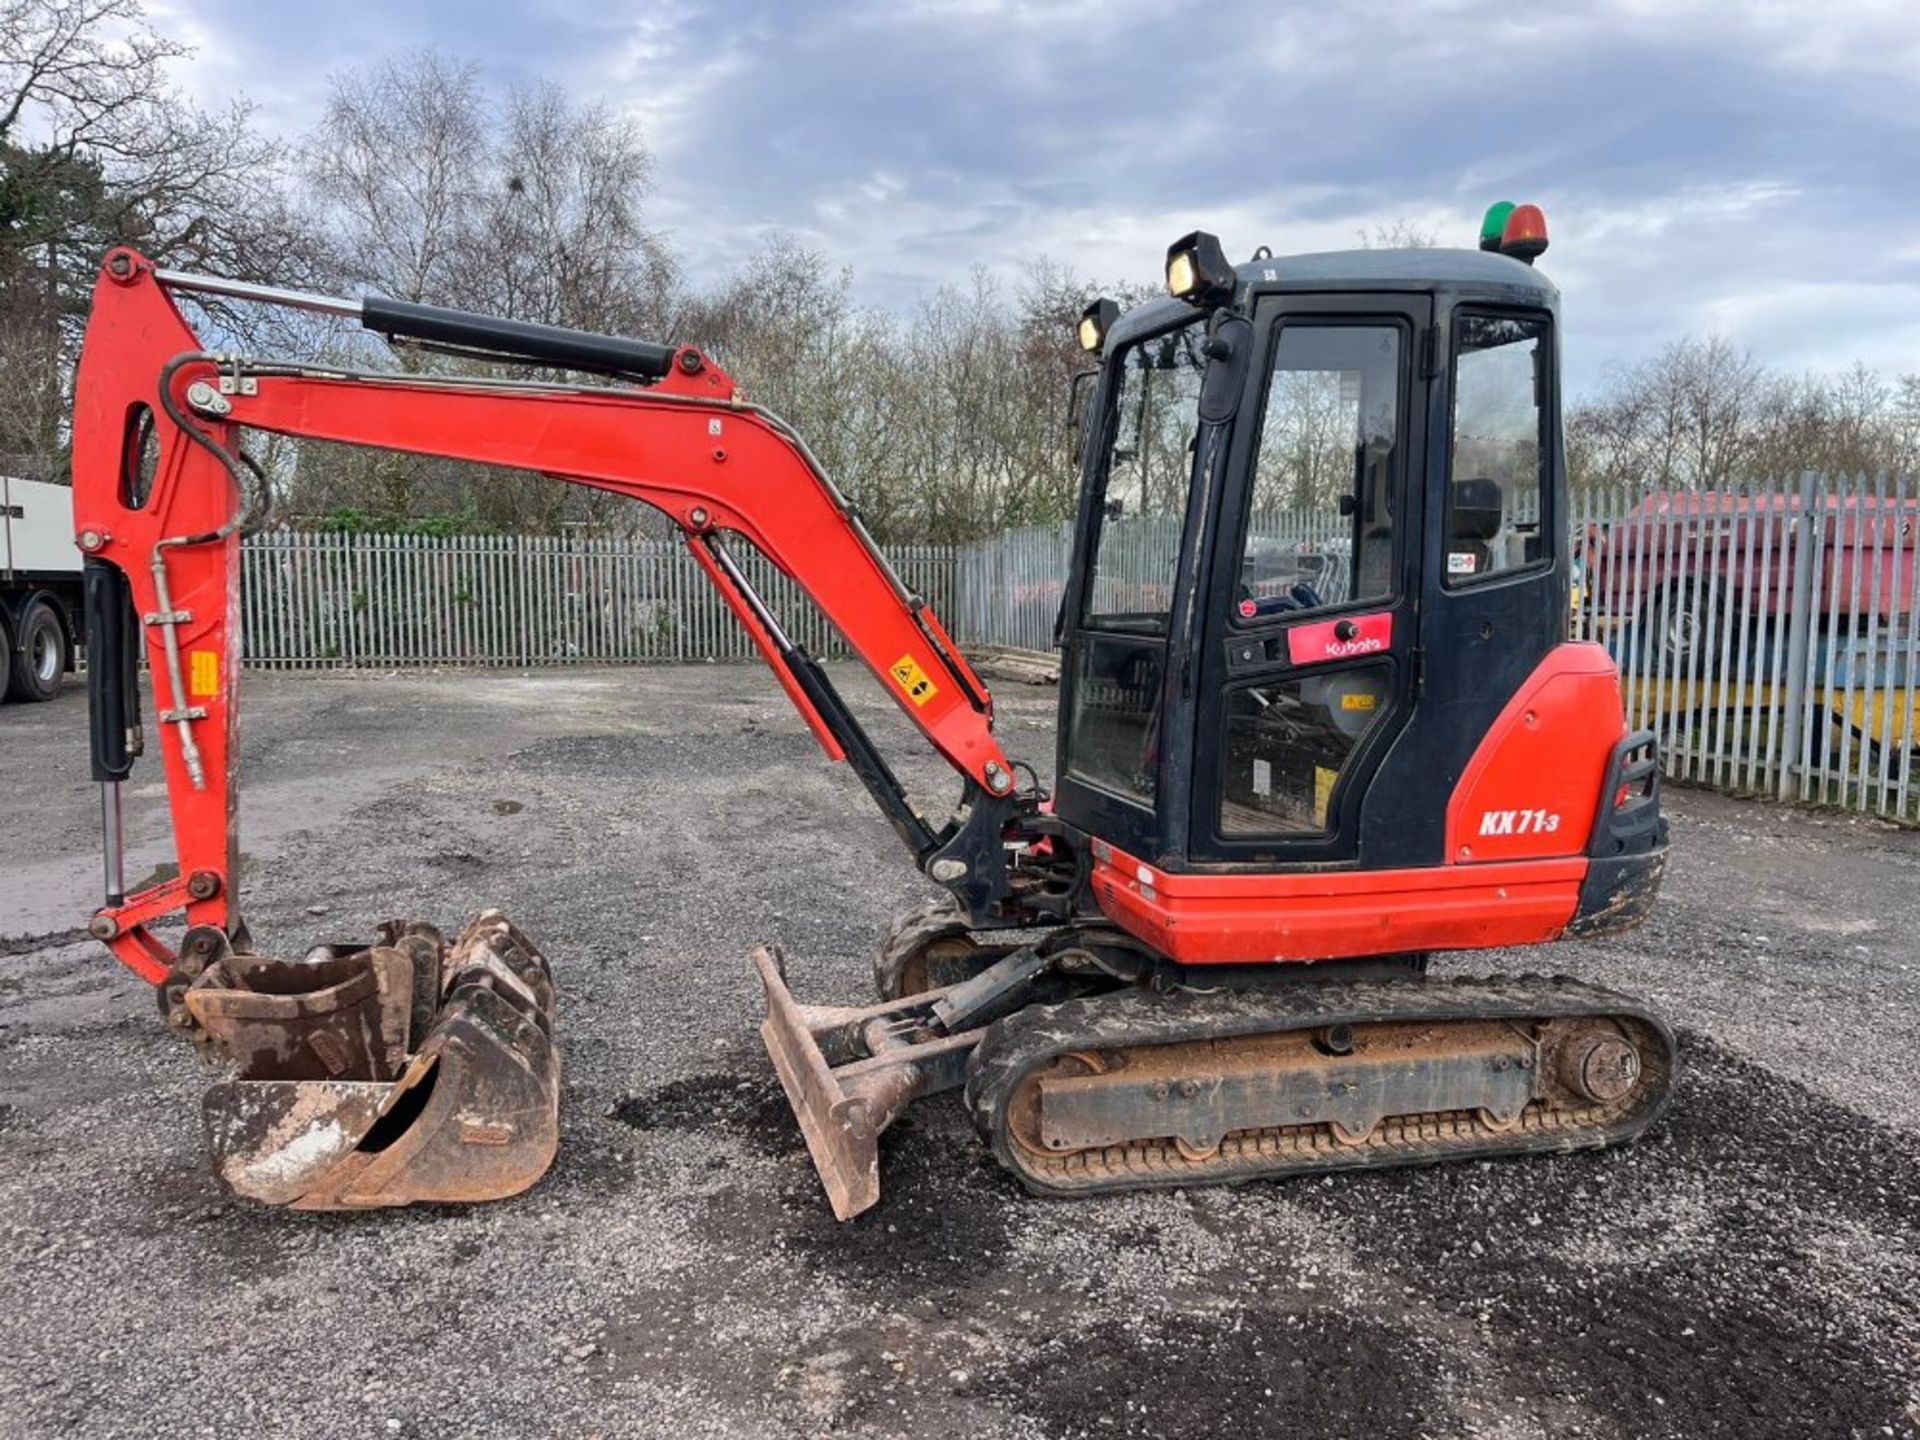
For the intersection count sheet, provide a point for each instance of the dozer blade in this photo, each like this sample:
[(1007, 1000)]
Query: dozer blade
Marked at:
[(849, 1072), (408, 1071)]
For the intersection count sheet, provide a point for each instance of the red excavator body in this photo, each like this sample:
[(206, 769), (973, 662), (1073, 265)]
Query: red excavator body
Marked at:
[(1317, 721)]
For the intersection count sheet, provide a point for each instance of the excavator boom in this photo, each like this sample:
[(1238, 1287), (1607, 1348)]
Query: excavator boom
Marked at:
[(417, 1068), (162, 496)]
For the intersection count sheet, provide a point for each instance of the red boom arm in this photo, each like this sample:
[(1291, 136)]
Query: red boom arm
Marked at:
[(686, 444)]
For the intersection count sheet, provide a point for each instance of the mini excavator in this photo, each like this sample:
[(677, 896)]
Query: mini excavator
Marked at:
[(1319, 718)]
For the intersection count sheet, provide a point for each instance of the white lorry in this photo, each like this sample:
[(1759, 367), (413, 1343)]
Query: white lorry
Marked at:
[(40, 591)]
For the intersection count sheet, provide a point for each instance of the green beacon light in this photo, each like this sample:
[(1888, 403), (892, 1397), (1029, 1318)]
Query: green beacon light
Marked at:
[(1494, 226)]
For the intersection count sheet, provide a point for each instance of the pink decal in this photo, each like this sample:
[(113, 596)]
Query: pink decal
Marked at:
[(1340, 639)]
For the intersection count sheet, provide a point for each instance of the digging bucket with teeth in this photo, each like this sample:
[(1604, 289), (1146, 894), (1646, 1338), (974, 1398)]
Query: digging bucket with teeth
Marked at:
[(409, 1070)]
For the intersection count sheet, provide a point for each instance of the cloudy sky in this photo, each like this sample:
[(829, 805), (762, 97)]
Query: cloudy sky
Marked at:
[(1750, 167)]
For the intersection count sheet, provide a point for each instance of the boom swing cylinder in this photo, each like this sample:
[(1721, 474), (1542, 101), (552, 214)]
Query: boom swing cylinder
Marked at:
[(1122, 1001)]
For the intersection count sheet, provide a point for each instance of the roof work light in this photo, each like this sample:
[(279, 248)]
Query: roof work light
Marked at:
[(1198, 270), (1095, 321)]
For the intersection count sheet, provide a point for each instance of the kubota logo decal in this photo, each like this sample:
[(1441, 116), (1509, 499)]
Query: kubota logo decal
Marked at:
[(1519, 822), (1366, 645), (1340, 639)]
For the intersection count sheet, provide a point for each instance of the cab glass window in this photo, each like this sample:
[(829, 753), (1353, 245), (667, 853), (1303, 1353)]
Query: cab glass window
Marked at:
[(1288, 744), (1149, 468), (1319, 530), (1499, 453), (1115, 723)]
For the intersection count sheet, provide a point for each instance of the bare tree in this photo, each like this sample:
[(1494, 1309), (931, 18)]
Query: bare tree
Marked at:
[(99, 149), (430, 188), (1050, 355), (1904, 425), (1706, 414), (561, 236), (1400, 234), (396, 169), (1692, 417), (970, 401)]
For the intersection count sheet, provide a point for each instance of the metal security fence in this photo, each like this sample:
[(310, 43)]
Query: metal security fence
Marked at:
[(312, 600), (1007, 588), (1766, 632)]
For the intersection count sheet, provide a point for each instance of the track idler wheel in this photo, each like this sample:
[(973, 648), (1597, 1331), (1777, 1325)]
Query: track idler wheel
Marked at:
[(1601, 1066), (928, 949), (409, 1070)]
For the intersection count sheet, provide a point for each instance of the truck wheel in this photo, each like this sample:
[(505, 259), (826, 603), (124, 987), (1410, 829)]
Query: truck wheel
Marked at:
[(39, 657), (1674, 626)]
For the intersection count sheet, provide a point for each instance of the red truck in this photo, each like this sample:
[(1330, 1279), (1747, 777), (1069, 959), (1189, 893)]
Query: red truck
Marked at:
[(1681, 566)]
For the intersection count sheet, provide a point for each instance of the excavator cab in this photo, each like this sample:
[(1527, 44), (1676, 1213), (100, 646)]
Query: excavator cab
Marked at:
[(1319, 595), (1286, 617)]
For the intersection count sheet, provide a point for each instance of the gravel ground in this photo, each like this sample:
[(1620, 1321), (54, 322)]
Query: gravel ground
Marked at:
[(1749, 1270)]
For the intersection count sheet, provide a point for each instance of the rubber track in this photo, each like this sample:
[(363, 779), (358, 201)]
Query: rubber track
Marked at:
[(1016, 1046)]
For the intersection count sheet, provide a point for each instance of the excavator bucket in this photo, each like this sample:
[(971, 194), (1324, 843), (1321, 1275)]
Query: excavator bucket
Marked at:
[(410, 1070)]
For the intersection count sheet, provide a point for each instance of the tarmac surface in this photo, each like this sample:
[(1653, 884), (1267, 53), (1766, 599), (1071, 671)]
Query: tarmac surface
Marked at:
[(1750, 1269)]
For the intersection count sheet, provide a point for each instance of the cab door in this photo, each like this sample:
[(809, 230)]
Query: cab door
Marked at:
[(1121, 765), (1309, 663)]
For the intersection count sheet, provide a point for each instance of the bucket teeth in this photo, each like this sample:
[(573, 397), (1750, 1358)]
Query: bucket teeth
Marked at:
[(410, 1070)]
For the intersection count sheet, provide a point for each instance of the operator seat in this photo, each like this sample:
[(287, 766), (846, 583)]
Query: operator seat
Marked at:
[(1474, 513)]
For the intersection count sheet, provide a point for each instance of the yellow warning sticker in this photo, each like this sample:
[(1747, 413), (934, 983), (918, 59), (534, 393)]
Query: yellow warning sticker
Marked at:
[(1323, 782), (203, 673), (908, 675), (1358, 702)]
